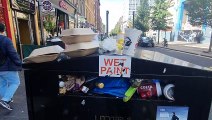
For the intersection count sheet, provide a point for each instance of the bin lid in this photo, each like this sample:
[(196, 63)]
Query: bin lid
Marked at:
[(159, 57)]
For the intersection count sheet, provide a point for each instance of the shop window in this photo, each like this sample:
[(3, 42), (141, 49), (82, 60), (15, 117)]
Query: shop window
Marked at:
[(71, 21)]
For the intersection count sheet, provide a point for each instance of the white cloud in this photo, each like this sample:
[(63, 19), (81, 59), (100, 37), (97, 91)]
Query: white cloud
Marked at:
[(115, 8)]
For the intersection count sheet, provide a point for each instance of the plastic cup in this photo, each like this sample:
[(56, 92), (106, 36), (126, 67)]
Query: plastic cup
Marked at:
[(131, 41)]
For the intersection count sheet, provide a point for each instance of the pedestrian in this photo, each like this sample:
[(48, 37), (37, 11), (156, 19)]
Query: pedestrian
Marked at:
[(10, 64)]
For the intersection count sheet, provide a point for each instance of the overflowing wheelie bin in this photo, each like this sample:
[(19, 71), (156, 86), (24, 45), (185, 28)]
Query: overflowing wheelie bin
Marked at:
[(117, 87)]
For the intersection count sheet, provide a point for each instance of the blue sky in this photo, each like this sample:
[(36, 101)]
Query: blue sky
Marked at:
[(115, 8)]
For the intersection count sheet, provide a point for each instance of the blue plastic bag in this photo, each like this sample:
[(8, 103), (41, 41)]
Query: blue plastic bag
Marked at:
[(113, 86)]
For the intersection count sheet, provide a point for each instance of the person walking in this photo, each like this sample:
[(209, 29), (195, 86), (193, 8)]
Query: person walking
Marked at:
[(10, 64)]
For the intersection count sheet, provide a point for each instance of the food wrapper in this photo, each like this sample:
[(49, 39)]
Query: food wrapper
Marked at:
[(120, 44)]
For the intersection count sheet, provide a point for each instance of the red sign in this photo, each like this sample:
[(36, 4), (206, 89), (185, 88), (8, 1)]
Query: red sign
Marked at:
[(63, 5)]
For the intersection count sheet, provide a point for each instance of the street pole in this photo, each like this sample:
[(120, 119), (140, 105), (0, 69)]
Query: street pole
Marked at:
[(41, 22), (107, 12), (133, 19), (209, 50)]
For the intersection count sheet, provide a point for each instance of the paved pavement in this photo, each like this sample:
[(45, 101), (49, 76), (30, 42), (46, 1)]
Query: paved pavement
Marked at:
[(20, 104), (193, 48)]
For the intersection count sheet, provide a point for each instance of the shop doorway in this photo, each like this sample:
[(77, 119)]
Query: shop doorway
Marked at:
[(24, 32)]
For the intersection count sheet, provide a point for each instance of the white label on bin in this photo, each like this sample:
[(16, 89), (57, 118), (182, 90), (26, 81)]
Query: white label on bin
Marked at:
[(114, 66)]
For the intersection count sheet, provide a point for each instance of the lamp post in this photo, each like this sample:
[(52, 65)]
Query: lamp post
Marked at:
[(133, 19), (107, 13)]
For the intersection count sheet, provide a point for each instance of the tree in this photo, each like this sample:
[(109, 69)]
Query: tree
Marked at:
[(143, 16), (49, 24), (159, 15), (200, 13), (117, 28)]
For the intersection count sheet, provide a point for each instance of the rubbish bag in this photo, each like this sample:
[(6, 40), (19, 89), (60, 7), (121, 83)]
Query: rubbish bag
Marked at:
[(113, 86)]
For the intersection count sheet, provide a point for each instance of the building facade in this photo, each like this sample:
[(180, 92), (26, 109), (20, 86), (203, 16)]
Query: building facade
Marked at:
[(60, 14), (90, 13), (183, 29), (98, 20), (20, 19), (133, 6), (80, 13)]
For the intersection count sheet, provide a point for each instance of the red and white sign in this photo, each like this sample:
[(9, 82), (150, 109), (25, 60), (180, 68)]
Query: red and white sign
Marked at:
[(114, 66), (63, 5)]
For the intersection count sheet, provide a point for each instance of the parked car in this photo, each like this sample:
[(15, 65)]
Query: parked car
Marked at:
[(146, 42)]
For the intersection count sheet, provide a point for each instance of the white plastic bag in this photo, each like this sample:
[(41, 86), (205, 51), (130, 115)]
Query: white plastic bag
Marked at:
[(109, 44)]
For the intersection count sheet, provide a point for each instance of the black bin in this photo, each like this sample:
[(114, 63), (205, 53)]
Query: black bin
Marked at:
[(192, 90)]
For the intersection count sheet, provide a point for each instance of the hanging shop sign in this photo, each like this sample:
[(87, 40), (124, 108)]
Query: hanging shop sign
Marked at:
[(114, 66), (47, 5), (25, 6), (63, 6)]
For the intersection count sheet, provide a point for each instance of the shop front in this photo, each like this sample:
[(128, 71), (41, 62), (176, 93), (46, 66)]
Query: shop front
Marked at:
[(81, 21), (61, 14), (24, 21)]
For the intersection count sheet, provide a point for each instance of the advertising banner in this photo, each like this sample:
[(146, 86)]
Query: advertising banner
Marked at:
[(25, 6)]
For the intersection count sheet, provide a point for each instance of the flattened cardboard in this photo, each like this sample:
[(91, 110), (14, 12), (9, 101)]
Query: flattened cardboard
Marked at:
[(41, 58)]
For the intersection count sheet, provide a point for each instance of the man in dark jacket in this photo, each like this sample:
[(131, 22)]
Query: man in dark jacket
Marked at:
[(9, 78)]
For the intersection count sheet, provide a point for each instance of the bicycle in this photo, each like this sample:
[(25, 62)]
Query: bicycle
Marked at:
[(165, 42)]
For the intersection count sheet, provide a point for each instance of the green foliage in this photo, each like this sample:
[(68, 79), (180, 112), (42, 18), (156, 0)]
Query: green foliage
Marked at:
[(143, 16), (160, 14), (199, 12), (117, 28), (49, 24)]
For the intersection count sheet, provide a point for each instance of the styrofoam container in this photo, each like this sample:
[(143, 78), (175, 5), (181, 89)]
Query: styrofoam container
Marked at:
[(77, 35), (81, 49), (77, 39), (44, 54), (78, 31)]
